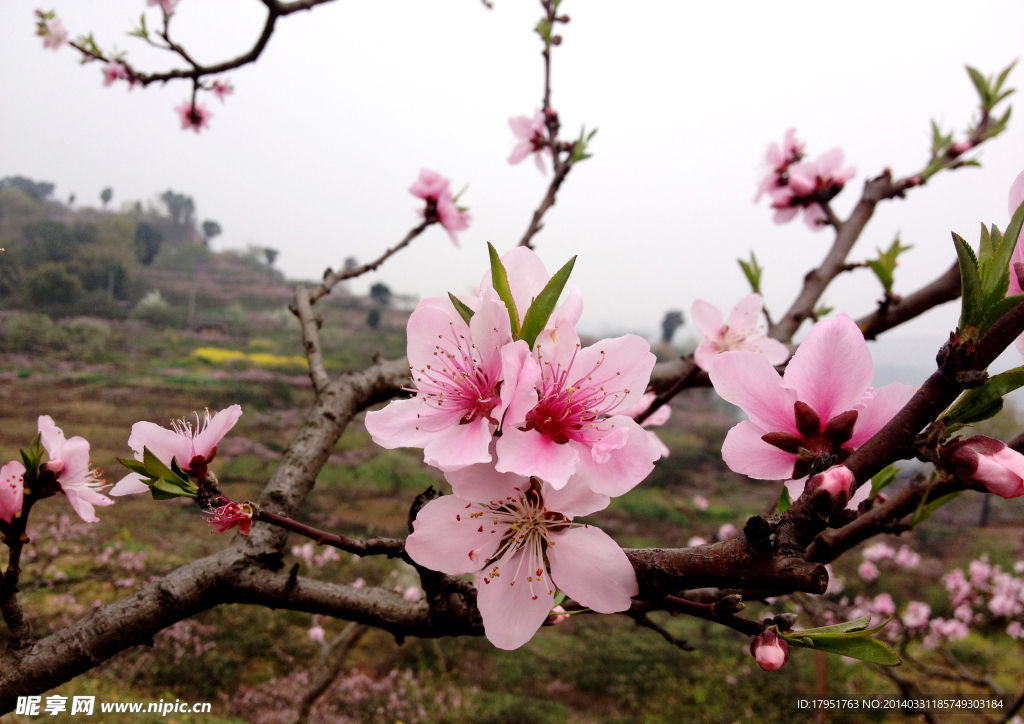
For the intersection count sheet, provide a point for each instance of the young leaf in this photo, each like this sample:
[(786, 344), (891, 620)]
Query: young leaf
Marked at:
[(974, 402), (970, 282), (156, 469), (159, 494), (465, 312), (885, 265), (540, 310), (752, 270), (856, 647), (784, 502), (883, 479), (134, 465), (859, 624), (927, 510), (499, 279), (981, 84)]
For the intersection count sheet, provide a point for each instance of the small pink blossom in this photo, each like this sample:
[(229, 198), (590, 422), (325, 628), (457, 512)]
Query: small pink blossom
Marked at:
[(883, 605), (743, 331), (222, 89), (823, 403), (530, 133), (958, 586), (451, 217), (769, 650), (12, 485), (557, 616), (964, 613), (69, 460), (166, 5), (52, 31), (915, 618), (1015, 630), (878, 552), (432, 187), (359, 583), (429, 186), (809, 185), (317, 634), (696, 541), (192, 446), (727, 530), (700, 502), (230, 514), (998, 468), (940, 630), (193, 116), (907, 558), (837, 481), (113, 71), (518, 536), (868, 571), (412, 593), (305, 552)]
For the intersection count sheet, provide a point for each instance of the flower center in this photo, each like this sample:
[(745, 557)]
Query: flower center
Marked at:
[(459, 381), (816, 448)]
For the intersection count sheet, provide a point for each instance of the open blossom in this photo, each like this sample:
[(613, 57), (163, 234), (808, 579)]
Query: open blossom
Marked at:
[(69, 461), (194, 116), (940, 630), (317, 634), (113, 71), (878, 551), (1016, 195), (907, 558), (432, 187), (868, 571), (824, 404), (12, 489), (808, 185), (518, 536), (778, 160), (996, 467), (700, 502), (231, 514), (53, 33), (743, 331), (727, 530), (916, 616), (769, 650), (465, 378), (530, 133), (192, 446), (166, 5), (412, 593), (222, 89), (657, 418)]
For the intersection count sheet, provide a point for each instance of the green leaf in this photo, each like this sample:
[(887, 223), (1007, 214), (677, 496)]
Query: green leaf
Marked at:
[(499, 279), (540, 310), (885, 265), (971, 309), (465, 312), (974, 402), (1002, 78), (926, 511), (865, 649), (859, 624), (883, 479), (784, 502), (160, 494), (156, 469), (752, 270), (997, 310), (823, 310), (173, 490), (134, 465), (981, 84)]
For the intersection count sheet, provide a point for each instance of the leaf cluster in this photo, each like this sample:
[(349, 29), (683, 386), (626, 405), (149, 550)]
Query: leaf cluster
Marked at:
[(852, 638), (164, 482), (885, 265)]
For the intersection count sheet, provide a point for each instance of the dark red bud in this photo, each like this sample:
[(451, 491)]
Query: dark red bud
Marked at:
[(840, 428), (212, 454), (807, 420), (784, 441)]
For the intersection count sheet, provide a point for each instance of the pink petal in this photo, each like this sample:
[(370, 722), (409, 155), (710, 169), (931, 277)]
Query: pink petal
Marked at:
[(662, 447), (83, 499), (481, 483), (520, 375), (218, 427), (446, 538), (747, 454), (883, 407), (558, 349), (430, 326), (828, 163), (704, 354), (576, 498), (773, 349), (593, 571), (512, 614), (165, 444), (814, 216), (522, 127), (530, 453), (785, 215), (408, 423), (130, 484), (803, 177), (570, 310), (708, 319), (622, 366), (52, 436), (625, 467), (1016, 194), (831, 368), (540, 161), (12, 489), (748, 380), (747, 313), (520, 152), (459, 445), (796, 487), (998, 479), (75, 454), (490, 331)]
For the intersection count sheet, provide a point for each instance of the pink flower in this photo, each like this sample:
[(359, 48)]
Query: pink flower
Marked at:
[(837, 481), (317, 634), (769, 650), (907, 558), (166, 5), (823, 404), (868, 571), (429, 186), (958, 586), (742, 332), (557, 616), (805, 185), (883, 605), (69, 461), (466, 377), (359, 583), (12, 484), (452, 217), (193, 447), (1016, 198), (1015, 630), (412, 593), (530, 133), (432, 187), (195, 116), (998, 468), (657, 418), (778, 161), (878, 552), (696, 541), (940, 630), (727, 530), (700, 502), (916, 616), (114, 71), (230, 514), (517, 536), (222, 89), (53, 33), (964, 613)]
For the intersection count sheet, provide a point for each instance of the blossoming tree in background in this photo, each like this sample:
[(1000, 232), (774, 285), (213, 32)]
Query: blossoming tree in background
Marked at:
[(533, 430)]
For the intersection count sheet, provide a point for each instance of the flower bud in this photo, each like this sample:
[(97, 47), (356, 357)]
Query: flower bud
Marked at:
[(55, 466), (769, 650), (838, 481), (960, 147), (557, 616), (317, 634), (998, 468)]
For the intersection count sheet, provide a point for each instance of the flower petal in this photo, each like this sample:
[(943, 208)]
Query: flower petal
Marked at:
[(408, 423), (75, 454), (519, 152), (522, 127), (512, 614), (12, 489), (705, 353), (490, 330), (527, 277), (52, 436), (527, 452), (1016, 194), (625, 466), (431, 330), (621, 367), (130, 484), (831, 368), (747, 313), (520, 374), (708, 318), (773, 349), (568, 311), (749, 381), (446, 538), (481, 483), (459, 445), (747, 454), (219, 426), (592, 569), (883, 407), (576, 498), (163, 443)]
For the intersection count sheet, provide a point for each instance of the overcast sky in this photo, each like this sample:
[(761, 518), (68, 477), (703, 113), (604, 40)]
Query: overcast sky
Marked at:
[(314, 152)]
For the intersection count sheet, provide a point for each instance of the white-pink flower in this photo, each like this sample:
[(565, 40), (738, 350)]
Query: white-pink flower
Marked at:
[(465, 377), (317, 634), (1016, 198), (883, 605), (53, 33), (12, 489), (113, 71), (518, 536), (823, 405), (778, 160), (432, 187), (769, 650), (727, 530), (412, 593), (1015, 630), (358, 583), (222, 89), (69, 461), (868, 571), (194, 116), (530, 133), (907, 558), (878, 552), (743, 331), (192, 446), (557, 616), (916, 616), (166, 5), (700, 502), (696, 541), (808, 184)]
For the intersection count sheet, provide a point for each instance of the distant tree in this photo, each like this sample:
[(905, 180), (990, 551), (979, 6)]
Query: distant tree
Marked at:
[(211, 229), (39, 191), (106, 195), (673, 320), (271, 255), (373, 318), (180, 208), (71, 199), (380, 293), (51, 241), (51, 283), (147, 242)]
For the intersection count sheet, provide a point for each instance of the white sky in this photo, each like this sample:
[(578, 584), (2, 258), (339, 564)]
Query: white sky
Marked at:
[(314, 152)]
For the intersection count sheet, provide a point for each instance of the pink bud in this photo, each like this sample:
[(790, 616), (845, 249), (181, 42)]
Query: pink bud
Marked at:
[(358, 583), (837, 480), (55, 466), (999, 469), (412, 594), (317, 634), (769, 650), (557, 616), (960, 147)]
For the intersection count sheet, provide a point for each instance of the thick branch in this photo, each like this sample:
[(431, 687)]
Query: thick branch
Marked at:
[(944, 289), (311, 339)]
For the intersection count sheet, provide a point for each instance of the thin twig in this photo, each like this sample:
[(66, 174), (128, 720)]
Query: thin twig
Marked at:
[(390, 547)]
